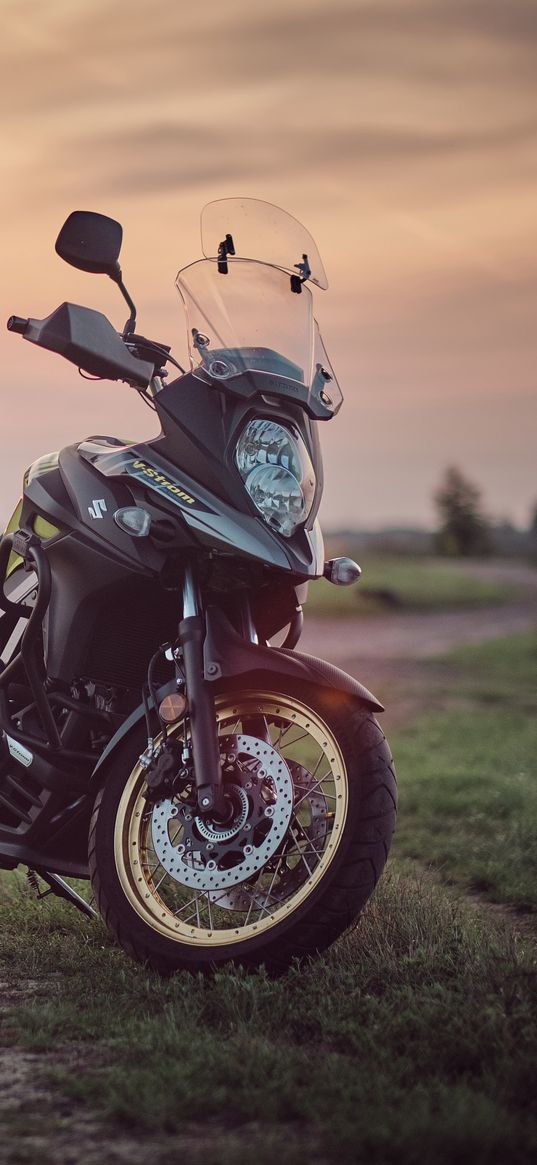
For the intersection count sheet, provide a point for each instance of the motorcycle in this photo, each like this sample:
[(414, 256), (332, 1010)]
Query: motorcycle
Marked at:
[(241, 808)]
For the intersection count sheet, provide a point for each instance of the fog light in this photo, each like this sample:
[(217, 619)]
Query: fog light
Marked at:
[(342, 571)]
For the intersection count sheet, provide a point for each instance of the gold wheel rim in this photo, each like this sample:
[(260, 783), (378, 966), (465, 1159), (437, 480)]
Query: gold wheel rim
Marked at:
[(197, 920)]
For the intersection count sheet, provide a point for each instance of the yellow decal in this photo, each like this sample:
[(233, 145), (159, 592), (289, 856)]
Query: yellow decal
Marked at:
[(40, 527), (14, 522), (43, 528), (162, 481)]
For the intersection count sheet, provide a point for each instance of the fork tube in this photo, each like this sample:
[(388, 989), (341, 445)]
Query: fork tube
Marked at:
[(207, 771)]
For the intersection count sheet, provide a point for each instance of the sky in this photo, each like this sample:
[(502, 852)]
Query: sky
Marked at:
[(402, 133)]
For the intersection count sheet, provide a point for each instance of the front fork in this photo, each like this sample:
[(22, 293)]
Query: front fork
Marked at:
[(204, 734)]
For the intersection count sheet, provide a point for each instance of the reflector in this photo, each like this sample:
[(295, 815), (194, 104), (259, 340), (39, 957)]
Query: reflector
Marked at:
[(173, 708)]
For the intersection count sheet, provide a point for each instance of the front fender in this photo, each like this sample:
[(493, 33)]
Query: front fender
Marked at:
[(227, 655)]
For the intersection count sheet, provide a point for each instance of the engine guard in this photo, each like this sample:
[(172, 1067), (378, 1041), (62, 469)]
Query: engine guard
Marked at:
[(227, 655)]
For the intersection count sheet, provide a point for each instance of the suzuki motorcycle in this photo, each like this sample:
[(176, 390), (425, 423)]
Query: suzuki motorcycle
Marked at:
[(230, 798)]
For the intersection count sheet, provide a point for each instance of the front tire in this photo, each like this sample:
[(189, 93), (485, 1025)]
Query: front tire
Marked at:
[(326, 775)]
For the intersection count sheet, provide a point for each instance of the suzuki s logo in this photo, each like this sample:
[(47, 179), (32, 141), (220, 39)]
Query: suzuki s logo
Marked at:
[(98, 508)]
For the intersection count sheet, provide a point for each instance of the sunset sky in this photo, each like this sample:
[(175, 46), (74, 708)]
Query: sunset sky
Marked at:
[(403, 133)]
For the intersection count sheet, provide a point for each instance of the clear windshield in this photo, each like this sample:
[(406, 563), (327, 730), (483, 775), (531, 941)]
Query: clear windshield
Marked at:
[(248, 314), (250, 321), (263, 232)]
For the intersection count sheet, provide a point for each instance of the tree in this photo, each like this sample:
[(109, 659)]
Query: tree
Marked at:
[(533, 520), (464, 530)]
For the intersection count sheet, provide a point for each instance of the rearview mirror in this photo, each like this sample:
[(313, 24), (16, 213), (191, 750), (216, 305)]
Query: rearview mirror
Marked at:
[(91, 242)]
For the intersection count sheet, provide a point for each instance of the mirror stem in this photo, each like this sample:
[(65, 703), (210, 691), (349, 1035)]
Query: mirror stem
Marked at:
[(130, 326)]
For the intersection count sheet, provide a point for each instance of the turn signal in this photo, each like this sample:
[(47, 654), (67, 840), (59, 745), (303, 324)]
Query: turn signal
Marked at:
[(172, 708), (342, 571), (133, 520)]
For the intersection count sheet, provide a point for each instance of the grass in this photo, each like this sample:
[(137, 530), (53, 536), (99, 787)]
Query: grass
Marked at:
[(413, 1040), (338, 1056), (468, 772), (421, 584)]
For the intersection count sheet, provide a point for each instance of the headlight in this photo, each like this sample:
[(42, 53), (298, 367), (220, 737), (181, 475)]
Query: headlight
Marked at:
[(278, 474)]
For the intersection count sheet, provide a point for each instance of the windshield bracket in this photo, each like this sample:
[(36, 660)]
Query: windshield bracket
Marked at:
[(226, 247), (305, 272)]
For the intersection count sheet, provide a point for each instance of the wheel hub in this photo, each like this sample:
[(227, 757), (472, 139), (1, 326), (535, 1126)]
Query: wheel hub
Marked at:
[(211, 856), (212, 831)]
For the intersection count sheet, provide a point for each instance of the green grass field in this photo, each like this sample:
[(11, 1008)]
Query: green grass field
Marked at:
[(468, 773), (404, 584), (414, 1040)]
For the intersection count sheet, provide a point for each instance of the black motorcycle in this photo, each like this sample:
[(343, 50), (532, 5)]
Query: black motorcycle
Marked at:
[(242, 807)]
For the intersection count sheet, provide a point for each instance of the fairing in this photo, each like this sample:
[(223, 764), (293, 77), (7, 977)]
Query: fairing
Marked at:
[(212, 522)]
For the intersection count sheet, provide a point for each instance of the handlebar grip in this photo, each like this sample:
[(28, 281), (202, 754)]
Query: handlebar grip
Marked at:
[(17, 324)]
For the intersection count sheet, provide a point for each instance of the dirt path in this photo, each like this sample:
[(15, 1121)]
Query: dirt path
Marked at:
[(386, 652)]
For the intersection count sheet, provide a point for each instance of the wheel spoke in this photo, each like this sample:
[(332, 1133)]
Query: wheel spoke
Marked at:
[(283, 733), (302, 858), (327, 796), (291, 743), (229, 730), (250, 908), (316, 769), (297, 825), (195, 898), (193, 914), (185, 911), (308, 853), (269, 891)]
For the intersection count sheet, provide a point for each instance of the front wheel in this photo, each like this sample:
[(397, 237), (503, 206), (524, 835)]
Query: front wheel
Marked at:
[(310, 788)]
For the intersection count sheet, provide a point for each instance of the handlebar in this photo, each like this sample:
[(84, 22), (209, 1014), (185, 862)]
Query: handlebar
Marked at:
[(17, 324)]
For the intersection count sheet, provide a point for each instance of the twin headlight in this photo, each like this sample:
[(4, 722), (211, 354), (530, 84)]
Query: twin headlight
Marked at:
[(276, 469)]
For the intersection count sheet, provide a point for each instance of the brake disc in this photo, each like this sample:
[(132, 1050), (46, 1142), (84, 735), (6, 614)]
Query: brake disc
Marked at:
[(212, 856), (307, 793)]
